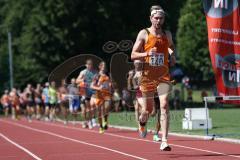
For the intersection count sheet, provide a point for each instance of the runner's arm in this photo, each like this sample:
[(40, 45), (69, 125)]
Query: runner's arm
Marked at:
[(94, 85), (171, 48), (138, 46), (80, 78)]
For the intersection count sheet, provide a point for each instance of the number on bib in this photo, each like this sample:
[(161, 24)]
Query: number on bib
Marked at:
[(156, 60)]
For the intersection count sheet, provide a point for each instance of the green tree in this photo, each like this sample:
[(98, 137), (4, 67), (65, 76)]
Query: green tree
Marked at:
[(192, 42)]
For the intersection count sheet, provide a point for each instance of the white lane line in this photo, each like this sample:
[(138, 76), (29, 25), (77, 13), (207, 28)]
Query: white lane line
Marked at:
[(145, 140), (74, 140), (20, 147)]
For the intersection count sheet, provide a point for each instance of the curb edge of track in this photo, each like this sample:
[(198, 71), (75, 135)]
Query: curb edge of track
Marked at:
[(229, 140)]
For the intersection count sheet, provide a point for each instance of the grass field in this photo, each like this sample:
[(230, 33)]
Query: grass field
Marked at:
[(225, 122)]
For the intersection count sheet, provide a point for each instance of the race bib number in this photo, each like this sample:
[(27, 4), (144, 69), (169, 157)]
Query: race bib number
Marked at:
[(156, 60), (105, 85)]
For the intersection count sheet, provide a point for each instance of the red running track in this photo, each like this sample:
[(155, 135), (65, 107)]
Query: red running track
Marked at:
[(20, 140)]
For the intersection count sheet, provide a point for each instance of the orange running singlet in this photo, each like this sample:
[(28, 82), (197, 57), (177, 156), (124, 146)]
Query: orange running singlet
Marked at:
[(104, 93), (155, 68), (82, 88), (15, 101)]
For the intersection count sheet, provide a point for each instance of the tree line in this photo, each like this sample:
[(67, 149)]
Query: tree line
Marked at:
[(45, 33)]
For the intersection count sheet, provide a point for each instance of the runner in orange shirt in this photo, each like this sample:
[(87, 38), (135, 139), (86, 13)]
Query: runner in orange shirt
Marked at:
[(102, 84), (152, 47), (5, 101)]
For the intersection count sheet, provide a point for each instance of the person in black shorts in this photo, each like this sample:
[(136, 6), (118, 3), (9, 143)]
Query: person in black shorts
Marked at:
[(30, 103)]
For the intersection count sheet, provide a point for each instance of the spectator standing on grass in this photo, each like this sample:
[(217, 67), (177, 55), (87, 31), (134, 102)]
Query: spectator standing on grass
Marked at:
[(204, 94), (176, 99), (189, 95)]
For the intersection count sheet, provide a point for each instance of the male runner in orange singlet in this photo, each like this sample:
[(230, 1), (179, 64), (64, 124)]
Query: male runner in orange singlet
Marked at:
[(152, 47)]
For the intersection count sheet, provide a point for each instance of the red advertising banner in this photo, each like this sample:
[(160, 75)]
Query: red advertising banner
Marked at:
[(223, 21)]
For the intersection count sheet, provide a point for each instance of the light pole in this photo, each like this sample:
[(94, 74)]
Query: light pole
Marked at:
[(10, 56)]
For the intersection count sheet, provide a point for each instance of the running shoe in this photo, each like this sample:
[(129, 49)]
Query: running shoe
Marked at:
[(30, 120), (51, 117), (94, 124), (90, 124), (46, 119), (105, 125), (13, 117), (38, 117), (101, 130), (142, 131), (18, 117), (84, 125), (165, 147), (156, 138)]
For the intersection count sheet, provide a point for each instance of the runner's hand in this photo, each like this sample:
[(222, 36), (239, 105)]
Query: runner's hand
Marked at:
[(152, 51), (173, 61)]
